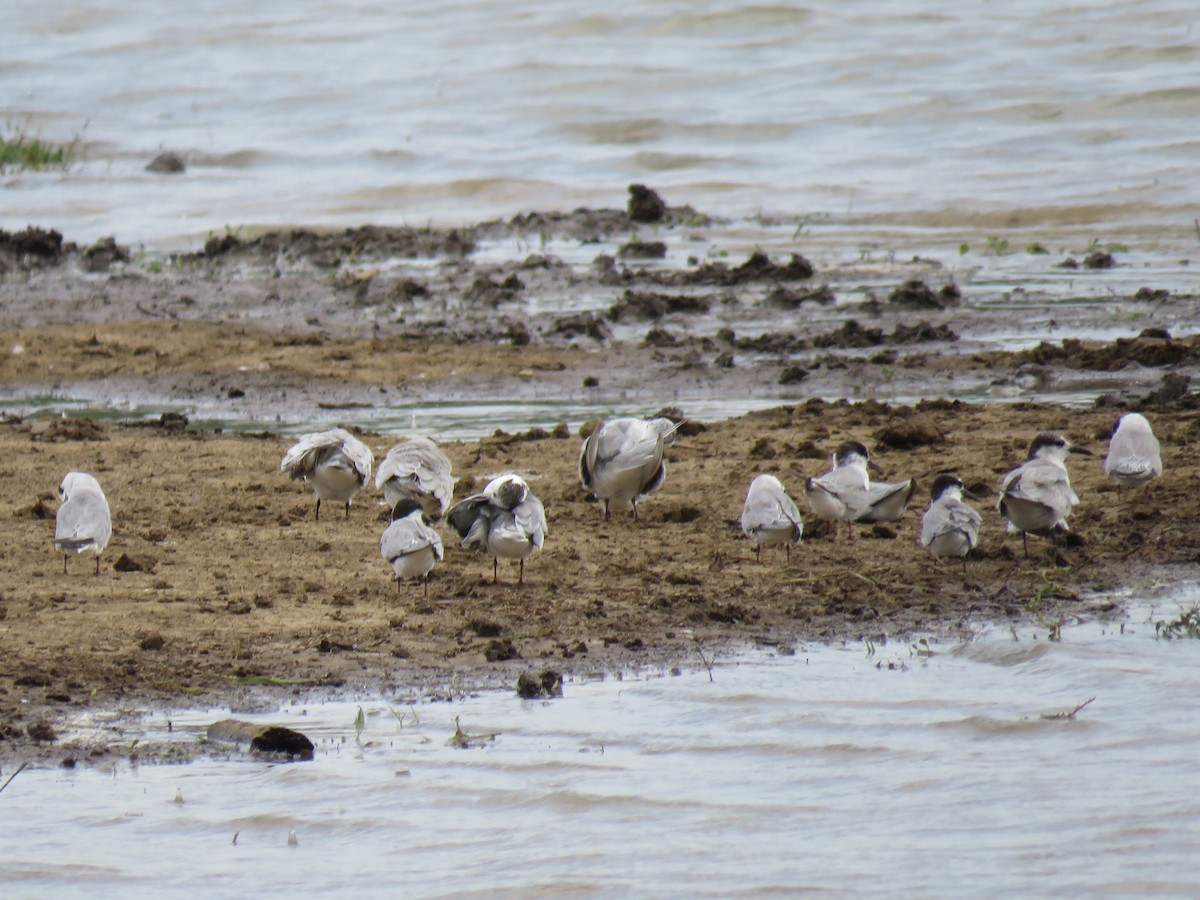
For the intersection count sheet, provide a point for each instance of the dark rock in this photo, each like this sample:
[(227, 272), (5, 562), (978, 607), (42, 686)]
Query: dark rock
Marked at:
[(792, 375), (545, 684), (41, 732), (922, 332), (645, 205), (1099, 259), (788, 298), (152, 642), (501, 650), (103, 253), (647, 305), (269, 739), (852, 335), (519, 334), (140, 562), (33, 246), (636, 249), (905, 434), (760, 268), (582, 323), (1151, 295), (764, 448), (219, 245), (659, 337), (173, 422), (484, 628), (167, 163), (284, 741), (916, 294), (1173, 387)]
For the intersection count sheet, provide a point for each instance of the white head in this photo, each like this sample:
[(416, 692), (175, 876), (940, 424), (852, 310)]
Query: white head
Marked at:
[(1134, 423), (74, 482)]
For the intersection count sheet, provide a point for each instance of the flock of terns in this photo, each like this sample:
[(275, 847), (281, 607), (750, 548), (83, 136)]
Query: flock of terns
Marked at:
[(621, 461)]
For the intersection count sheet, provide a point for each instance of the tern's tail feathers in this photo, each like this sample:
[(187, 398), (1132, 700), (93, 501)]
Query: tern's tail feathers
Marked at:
[(76, 544)]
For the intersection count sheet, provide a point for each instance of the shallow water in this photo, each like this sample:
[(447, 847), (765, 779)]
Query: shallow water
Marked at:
[(951, 121), (837, 769)]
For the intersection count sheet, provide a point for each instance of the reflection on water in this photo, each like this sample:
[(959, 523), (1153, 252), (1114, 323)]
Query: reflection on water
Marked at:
[(906, 771)]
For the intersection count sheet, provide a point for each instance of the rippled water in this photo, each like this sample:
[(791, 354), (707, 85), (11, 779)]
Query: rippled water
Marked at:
[(836, 769), (964, 118)]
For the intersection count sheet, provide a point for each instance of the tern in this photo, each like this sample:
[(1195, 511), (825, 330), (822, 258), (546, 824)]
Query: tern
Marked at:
[(506, 520), (409, 545), (622, 460), (1036, 497), (845, 493), (418, 469), (949, 527), (335, 463), (770, 516), (1133, 456), (83, 523)]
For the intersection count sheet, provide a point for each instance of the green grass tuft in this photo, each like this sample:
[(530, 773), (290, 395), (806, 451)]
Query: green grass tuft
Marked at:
[(19, 150)]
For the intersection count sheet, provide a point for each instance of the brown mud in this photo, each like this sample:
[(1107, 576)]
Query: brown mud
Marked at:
[(219, 588)]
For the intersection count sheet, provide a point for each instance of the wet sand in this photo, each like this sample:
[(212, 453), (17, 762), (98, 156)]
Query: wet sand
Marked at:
[(229, 593)]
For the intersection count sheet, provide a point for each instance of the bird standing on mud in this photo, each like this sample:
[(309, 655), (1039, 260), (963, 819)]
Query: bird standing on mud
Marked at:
[(507, 520), (1133, 453), (409, 545), (949, 527), (622, 460), (770, 516), (335, 462), (83, 523), (845, 493), (417, 469), (1036, 497)]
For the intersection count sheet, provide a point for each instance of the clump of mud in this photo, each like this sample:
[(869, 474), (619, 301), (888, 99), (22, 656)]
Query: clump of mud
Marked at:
[(647, 305), (1145, 350), (330, 250), (854, 335), (32, 248), (645, 205), (916, 294)]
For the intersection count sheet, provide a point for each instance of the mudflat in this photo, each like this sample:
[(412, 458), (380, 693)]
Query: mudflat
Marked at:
[(220, 588)]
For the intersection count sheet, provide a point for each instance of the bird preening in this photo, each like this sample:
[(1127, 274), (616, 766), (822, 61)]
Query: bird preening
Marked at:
[(335, 463), (770, 516), (506, 521), (417, 469), (622, 460)]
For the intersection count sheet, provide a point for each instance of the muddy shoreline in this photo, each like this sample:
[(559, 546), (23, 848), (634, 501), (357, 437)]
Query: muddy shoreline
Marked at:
[(308, 326)]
